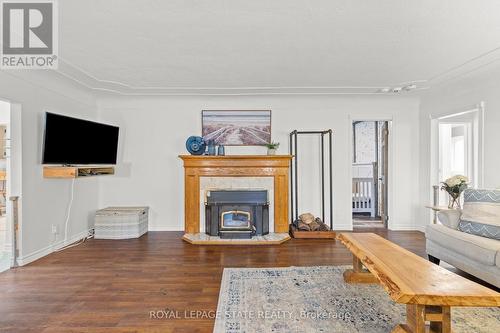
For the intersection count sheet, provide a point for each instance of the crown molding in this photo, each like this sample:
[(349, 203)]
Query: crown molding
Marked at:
[(484, 60), (80, 76), (74, 73)]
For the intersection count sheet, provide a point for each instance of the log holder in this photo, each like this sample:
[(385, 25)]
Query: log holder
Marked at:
[(294, 172)]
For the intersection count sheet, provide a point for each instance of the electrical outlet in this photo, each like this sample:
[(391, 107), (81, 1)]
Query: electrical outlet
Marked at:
[(54, 229)]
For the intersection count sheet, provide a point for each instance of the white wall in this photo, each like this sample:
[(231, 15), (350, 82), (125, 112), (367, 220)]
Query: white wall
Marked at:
[(44, 201), (154, 130), (457, 96), (153, 133)]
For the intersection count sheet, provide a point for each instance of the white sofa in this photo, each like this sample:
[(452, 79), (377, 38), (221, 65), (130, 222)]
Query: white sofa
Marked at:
[(454, 240)]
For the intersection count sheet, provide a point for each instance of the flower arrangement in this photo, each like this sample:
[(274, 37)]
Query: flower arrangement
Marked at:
[(454, 186)]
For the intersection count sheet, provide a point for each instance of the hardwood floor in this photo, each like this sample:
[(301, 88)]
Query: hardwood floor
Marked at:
[(111, 286)]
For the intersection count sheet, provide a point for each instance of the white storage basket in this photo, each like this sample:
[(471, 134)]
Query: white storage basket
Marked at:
[(121, 222)]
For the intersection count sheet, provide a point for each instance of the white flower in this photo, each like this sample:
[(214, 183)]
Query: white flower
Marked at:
[(456, 180), (451, 182)]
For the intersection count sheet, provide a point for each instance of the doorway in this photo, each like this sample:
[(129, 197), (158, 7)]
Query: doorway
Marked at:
[(370, 169), (454, 150), (458, 142), (10, 183), (5, 225)]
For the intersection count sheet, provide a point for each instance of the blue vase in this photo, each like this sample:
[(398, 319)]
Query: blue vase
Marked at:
[(195, 145), (211, 147), (221, 150)]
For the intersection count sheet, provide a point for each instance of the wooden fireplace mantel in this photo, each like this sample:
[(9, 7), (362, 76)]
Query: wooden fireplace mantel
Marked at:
[(276, 166)]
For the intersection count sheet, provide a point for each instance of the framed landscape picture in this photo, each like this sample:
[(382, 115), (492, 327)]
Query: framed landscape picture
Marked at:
[(237, 128)]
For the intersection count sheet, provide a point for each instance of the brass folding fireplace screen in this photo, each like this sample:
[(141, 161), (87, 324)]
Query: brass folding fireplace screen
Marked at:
[(237, 213)]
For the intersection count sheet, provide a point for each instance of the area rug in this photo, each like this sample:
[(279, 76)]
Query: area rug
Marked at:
[(316, 299)]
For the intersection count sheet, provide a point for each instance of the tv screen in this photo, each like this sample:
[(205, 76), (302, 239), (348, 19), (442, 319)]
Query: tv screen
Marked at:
[(76, 141)]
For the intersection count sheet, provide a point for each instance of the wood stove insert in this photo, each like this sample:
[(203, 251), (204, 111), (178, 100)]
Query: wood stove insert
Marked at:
[(238, 214)]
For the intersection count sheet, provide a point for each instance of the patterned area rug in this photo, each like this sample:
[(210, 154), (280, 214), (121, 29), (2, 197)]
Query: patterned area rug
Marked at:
[(316, 299)]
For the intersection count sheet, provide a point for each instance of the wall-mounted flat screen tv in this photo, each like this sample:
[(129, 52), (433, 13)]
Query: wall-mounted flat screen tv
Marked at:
[(73, 141)]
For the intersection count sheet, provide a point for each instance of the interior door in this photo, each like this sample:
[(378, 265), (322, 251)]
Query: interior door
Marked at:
[(384, 172)]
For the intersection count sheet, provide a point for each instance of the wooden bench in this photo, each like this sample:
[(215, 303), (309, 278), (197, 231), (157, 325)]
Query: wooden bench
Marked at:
[(429, 291)]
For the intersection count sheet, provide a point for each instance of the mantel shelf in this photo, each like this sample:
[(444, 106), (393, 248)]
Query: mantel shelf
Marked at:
[(237, 161), (76, 171), (244, 157)]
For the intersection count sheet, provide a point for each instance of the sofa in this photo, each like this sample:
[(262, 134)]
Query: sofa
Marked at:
[(469, 239)]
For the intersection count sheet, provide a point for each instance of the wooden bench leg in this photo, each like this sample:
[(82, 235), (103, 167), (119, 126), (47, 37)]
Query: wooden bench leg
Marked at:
[(439, 317), (357, 274), (417, 315)]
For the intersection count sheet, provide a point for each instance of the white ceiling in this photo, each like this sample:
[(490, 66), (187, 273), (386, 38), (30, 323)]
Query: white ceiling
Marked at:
[(154, 46)]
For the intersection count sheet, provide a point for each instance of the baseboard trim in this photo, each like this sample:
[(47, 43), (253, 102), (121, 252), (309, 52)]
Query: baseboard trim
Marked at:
[(342, 227), (33, 256), (421, 228), (404, 227), (164, 228)]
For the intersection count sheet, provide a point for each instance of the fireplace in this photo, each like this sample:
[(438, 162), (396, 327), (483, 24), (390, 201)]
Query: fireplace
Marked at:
[(237, 214)]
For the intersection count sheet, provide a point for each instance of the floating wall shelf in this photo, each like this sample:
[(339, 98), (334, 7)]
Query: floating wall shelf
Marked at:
[(76, 171)]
